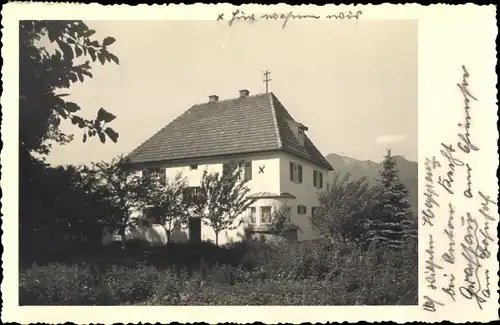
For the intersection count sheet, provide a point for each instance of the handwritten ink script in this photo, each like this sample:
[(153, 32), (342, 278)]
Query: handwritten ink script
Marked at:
[(456, 263), (239, 15)]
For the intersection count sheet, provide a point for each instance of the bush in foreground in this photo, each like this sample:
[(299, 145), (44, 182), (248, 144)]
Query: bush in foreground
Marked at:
[(340, 274), (60, 284)]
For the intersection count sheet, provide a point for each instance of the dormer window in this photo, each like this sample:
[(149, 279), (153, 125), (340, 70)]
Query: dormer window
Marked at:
[(301, 137), (298, 130)]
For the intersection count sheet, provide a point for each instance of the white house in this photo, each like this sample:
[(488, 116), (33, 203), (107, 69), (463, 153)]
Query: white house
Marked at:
[(258, 133)]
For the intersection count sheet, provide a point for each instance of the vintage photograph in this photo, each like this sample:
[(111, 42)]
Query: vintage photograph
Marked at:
[(218, 162)]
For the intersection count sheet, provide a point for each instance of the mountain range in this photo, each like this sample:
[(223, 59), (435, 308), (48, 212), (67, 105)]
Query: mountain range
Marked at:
[(408, 172)]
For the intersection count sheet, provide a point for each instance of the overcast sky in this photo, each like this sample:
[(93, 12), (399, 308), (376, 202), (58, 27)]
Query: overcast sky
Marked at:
[(353, 83)]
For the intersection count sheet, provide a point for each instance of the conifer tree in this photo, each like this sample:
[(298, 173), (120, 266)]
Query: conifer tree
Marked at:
[(391, 223)]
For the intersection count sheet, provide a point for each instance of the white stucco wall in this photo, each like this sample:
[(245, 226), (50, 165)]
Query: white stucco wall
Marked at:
[(306, 194), (274, 179), (268, 181)]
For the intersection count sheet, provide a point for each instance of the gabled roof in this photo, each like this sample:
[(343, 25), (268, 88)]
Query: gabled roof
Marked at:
[(241, 125)]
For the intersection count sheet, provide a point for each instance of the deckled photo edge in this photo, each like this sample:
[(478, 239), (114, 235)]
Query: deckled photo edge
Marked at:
[(438, 68)]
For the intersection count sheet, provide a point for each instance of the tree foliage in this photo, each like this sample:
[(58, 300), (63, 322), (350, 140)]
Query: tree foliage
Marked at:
[(280, 219), (222, 198), (43, 75), (59, 196), (391, 222), (343, 208), (56, 209), (54, 55), (124, 192), (166, 197)]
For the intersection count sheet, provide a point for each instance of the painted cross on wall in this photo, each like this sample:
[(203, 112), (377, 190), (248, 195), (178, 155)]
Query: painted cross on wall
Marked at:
[(261, 169)]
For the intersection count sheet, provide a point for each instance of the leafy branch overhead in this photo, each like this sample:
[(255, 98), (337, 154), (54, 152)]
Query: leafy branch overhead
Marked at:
[(43, 75)]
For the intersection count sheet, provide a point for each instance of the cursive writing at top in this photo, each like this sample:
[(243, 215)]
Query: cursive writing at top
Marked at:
[(240, 15), (465, 143)]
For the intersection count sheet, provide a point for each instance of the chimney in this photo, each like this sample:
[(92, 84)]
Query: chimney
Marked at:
[(213, 98), (244, 93)]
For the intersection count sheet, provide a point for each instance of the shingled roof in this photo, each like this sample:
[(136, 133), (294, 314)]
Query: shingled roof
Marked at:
[(248, 124)]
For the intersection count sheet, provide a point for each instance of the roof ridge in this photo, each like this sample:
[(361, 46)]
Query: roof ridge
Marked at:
[(275, 120), (195, 132), (232, 99)]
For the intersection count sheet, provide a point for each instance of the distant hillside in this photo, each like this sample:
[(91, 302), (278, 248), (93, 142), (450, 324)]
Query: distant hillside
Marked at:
[(408, 172)]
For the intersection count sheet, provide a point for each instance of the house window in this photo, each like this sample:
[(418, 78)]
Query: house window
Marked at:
[(193, 167), (145, 175), (317, 179), (154, 174), (295, 172), (253, 215), (301, 209), (247, 166), (244, 170), (191, 193), (195, 190), (301, 137), (315, 211), (240, 169), (265, 215), (288, 214)]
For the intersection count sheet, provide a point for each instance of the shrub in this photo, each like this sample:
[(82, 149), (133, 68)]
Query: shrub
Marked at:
[(191, 255), (271, 274), (59, 284), (130, 284)]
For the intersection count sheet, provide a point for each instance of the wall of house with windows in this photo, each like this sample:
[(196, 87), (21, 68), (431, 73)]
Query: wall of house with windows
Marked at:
[(275, 172), (304, 180), (261, 170)]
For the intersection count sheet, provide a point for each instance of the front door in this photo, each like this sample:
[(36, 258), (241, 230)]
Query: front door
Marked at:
[(195, 230)]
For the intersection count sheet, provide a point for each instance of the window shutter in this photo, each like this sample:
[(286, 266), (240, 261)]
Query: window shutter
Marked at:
[(186, 196), (196, 195), (314, 178), (320, 179), (145, 174), (248, 170), (300, 174), (163, 175), (291, 171)]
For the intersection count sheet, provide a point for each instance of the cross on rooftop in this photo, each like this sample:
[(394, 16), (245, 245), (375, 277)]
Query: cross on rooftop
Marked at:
[(267, 79)]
